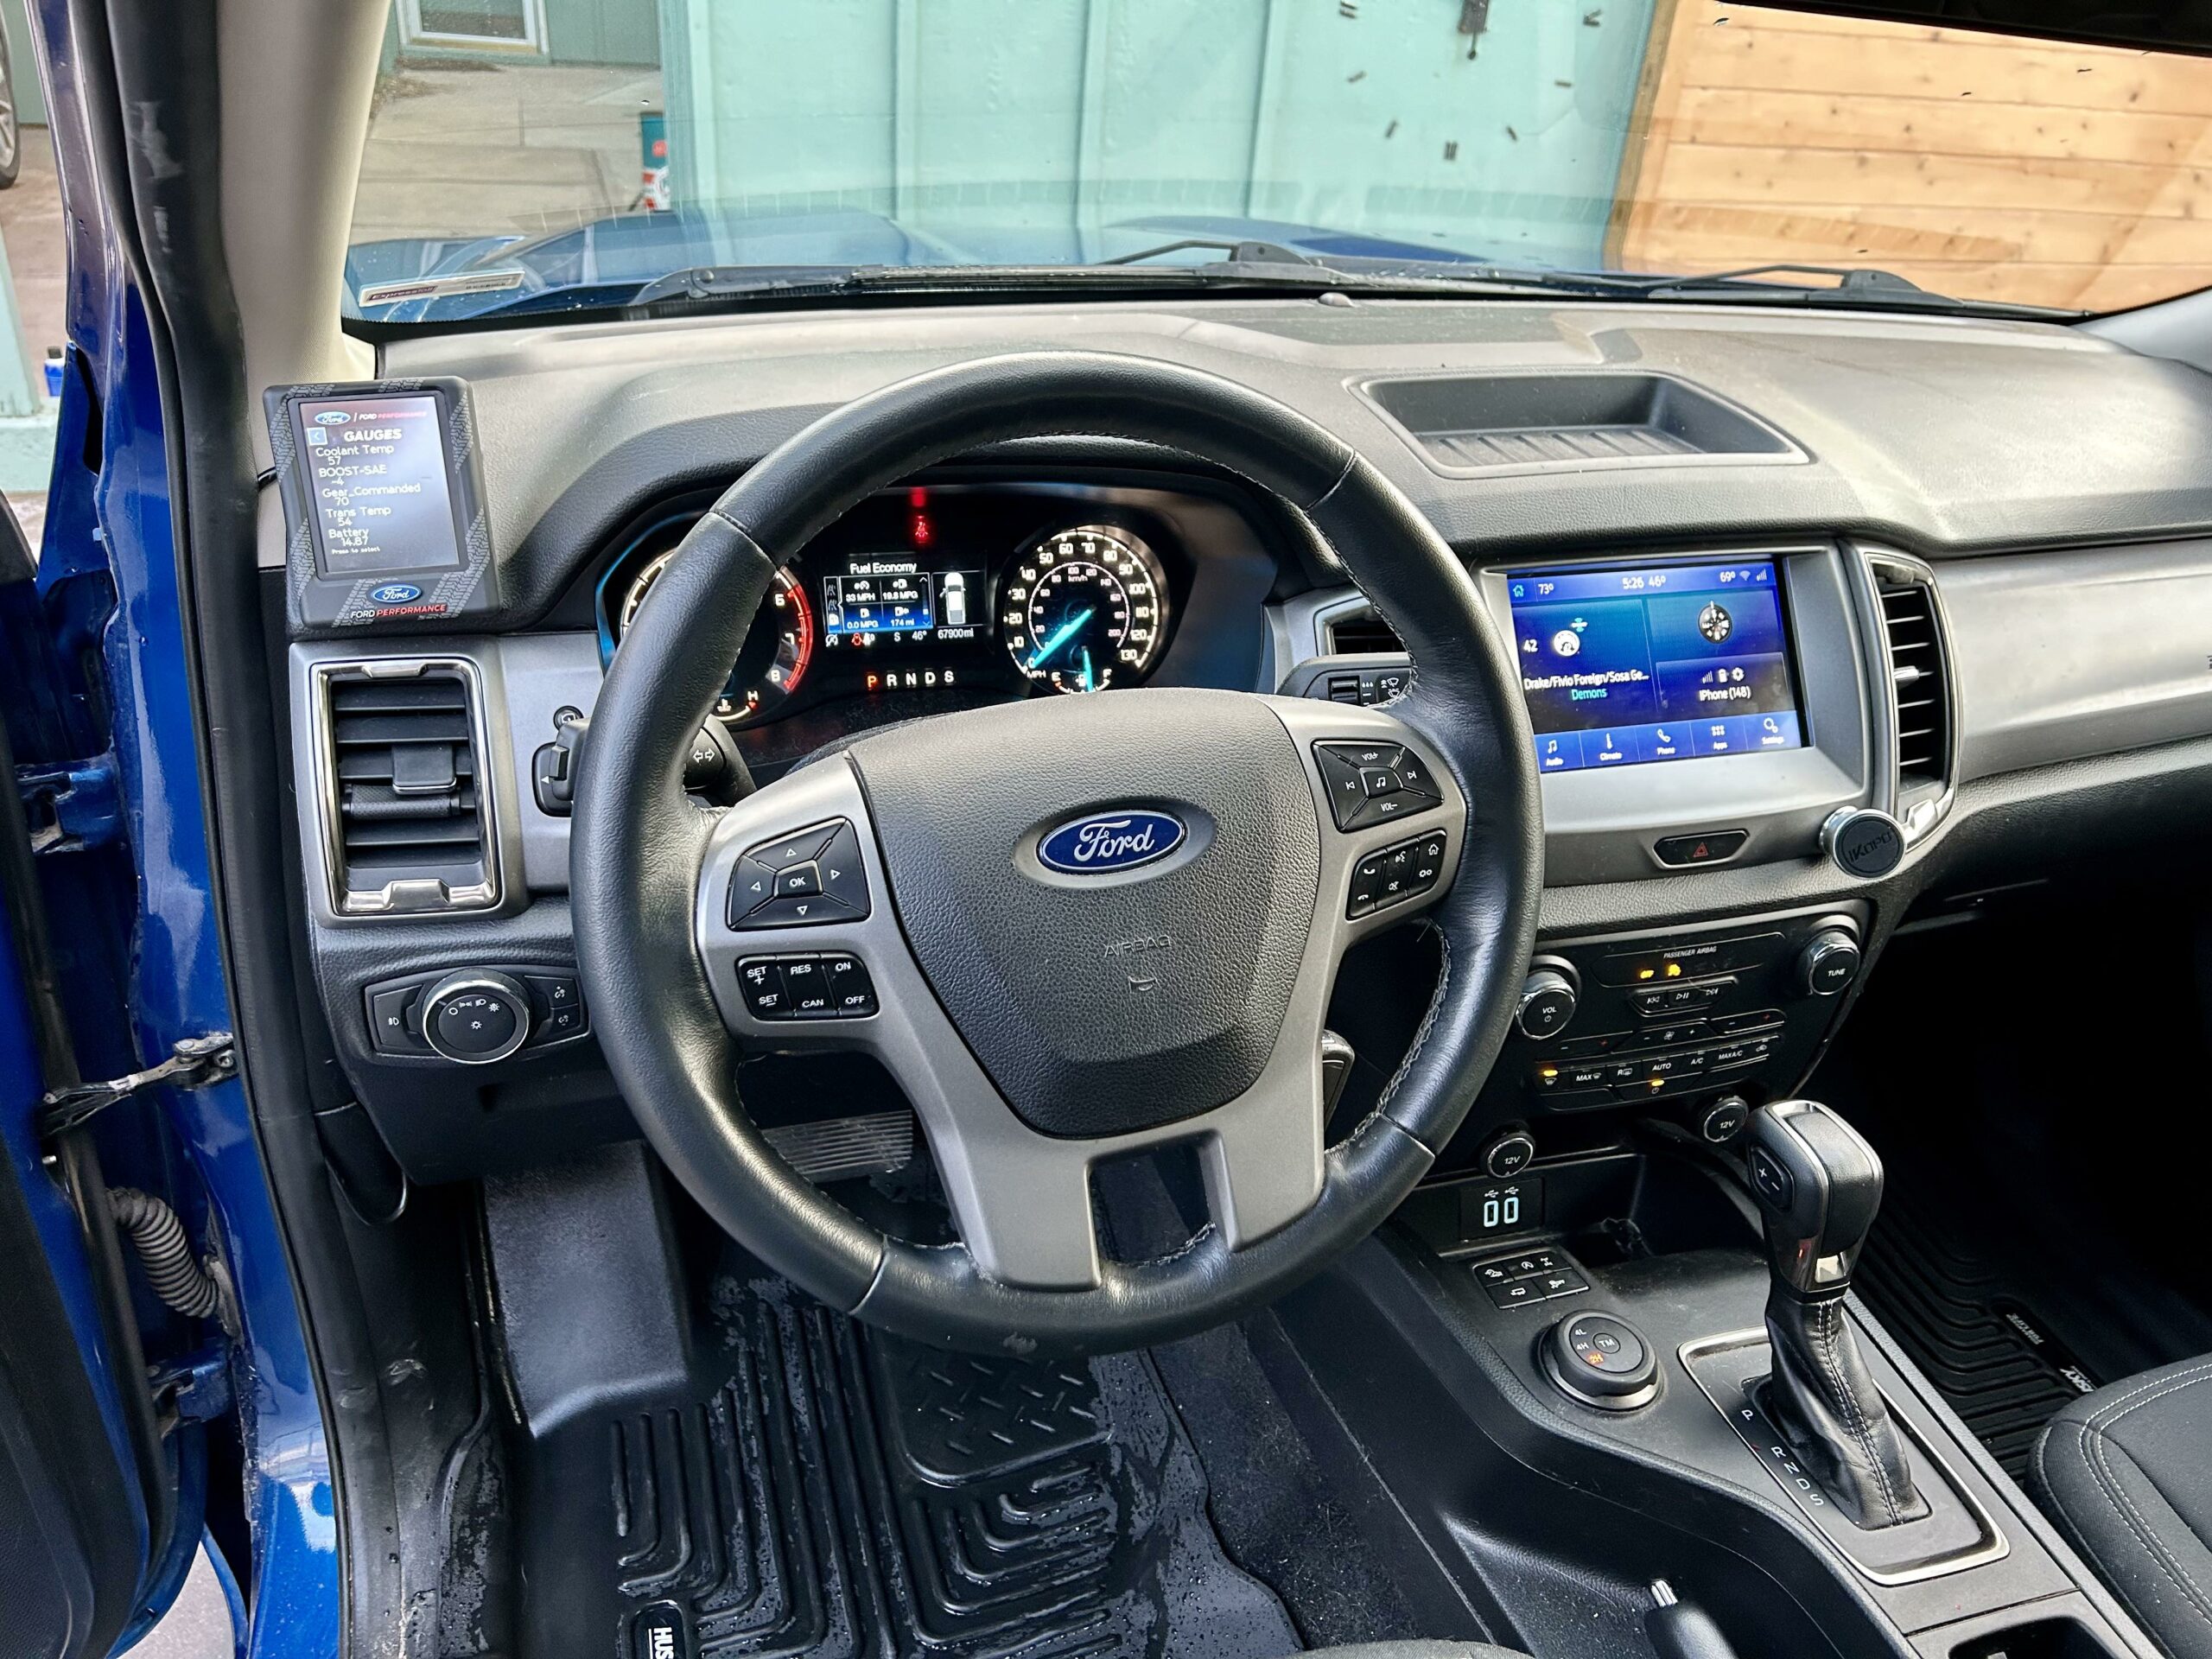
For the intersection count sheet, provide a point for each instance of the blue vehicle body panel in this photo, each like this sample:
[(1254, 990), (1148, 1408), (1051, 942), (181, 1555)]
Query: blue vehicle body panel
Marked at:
[(110, 530)]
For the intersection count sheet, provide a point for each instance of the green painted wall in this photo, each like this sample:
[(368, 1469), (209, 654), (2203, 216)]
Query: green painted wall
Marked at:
[(1027, 114), (31, 97)]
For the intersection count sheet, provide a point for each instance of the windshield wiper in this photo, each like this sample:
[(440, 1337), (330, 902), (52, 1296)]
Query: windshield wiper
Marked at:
[(1854, 285), (711, 284)]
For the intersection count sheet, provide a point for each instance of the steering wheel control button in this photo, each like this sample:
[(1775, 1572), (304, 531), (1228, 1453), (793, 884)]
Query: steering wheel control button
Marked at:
[(843, 881), (832, 985), (760, 981), (805, 879), (1547, 1004), (475, 1018), (1373, 783), (808, 987), (1396, 874), (1601, 1360), (1863, 842), (1717, 847), (852, 993)]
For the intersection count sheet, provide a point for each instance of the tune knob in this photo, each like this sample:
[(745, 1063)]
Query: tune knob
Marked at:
[(475, 1017), (1829, 963), (1547, 1003)]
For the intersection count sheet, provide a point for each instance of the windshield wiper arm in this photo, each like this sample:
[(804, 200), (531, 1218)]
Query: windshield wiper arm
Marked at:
[(708, 283)]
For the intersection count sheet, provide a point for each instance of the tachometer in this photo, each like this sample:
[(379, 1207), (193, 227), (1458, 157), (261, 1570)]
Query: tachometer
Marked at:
[(1085, 610), (776, 653)]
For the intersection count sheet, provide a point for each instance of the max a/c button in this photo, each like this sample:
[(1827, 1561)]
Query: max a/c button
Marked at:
[(1715, 847)]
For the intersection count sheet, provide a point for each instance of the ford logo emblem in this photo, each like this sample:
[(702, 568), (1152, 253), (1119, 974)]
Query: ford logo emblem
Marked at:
[(396, 593), (1105, 842), (332, 417)]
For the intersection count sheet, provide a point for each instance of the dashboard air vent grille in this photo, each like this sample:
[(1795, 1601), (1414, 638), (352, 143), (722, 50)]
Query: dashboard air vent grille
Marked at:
[(1918, 670), (1362, 631), (411, 827)]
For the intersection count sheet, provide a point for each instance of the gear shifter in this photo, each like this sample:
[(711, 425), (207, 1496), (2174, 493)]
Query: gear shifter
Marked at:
[(1818, 1186)]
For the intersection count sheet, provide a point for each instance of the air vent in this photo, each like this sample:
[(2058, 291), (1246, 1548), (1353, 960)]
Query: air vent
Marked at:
[(1919, 671), (409, 824), (1362, 632)]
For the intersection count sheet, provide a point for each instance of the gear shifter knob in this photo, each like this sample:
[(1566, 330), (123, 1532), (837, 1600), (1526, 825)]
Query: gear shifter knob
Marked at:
[(1819, 1186)]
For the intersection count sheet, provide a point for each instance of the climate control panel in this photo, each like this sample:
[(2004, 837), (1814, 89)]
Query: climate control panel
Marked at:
[(1674, 1021)]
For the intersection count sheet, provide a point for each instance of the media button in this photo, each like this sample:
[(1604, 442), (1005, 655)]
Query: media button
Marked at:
[(1558, 752)]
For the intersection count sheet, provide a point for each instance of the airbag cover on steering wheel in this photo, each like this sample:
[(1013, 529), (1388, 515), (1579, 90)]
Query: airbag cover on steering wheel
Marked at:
[(1102, 1004)]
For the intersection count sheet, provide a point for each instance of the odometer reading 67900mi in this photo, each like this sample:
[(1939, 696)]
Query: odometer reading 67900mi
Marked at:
[(1085, 610)]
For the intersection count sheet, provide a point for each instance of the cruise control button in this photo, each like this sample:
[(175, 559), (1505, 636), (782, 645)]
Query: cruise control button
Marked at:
[(852, 993), (807, 984), (760, 983), (842, 877)]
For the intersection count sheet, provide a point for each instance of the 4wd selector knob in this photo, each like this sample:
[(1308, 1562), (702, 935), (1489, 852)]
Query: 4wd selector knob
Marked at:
[(1547, 1003), (474, 1017)]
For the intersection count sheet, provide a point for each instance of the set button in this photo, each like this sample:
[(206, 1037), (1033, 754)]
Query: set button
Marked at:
[(1374, 783), (805, 879), (1396, 874), (833, 986)]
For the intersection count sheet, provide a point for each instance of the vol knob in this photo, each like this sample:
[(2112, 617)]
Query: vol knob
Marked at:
[(1547, 1003)]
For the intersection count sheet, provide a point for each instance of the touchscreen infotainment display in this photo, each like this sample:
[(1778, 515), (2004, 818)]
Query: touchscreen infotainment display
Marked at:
[(1623, 664)]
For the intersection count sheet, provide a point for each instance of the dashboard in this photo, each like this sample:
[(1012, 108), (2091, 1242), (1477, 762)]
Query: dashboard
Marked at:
[(1915, 609)]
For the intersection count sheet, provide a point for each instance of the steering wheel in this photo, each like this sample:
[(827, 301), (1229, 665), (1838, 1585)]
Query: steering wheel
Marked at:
[(1071, 928)]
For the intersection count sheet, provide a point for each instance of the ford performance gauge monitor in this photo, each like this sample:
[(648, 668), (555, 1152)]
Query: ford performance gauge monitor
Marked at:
[(1627, 664), (384, 512)]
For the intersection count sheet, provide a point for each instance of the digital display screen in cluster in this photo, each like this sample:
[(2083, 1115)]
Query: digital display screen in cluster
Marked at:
[(896, 598), (1626, 664)]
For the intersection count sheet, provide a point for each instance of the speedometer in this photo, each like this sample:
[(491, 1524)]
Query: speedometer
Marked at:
[(1085, 610), (776, 654)]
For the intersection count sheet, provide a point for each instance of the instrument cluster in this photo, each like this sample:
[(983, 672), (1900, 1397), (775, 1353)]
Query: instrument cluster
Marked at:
[(967, 592)]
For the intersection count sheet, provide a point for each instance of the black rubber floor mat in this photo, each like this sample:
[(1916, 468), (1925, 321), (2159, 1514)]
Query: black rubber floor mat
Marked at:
[(830, 1491), (1995, 1360)]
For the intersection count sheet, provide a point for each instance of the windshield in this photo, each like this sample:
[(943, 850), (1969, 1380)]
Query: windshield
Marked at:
[(544, 156)]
